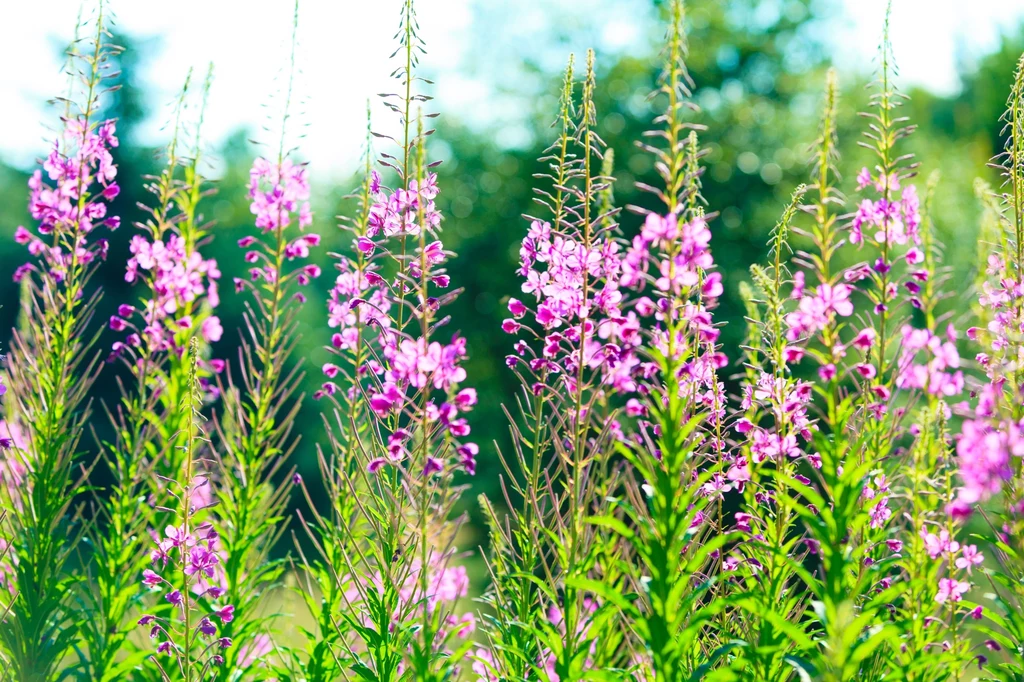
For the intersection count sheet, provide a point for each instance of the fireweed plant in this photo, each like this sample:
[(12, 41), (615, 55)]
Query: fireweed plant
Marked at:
[(573, 356), (989, 447), (395, 405), (255, 431), (651, 526), (180, 291), (51, 366)]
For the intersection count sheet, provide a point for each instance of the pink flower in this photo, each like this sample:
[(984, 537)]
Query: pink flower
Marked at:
[(865, 338), (866, 370), (466, 398), (937, 545), (516, 307), (836, 298), (384, 402), (969, 557), (212, 330), (951, 590), (984, 457), (151, 579), (863, 178)]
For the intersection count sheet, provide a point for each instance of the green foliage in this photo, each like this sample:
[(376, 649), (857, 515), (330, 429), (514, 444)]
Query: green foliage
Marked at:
[(619, 540), (51, 368)]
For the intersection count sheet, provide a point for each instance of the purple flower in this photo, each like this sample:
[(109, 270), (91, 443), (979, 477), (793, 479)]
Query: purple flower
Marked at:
[(151, 579), (201, 560), (951, 590), (207, 627)]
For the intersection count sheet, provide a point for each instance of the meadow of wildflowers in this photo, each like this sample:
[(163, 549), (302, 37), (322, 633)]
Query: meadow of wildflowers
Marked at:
[(854, 511)]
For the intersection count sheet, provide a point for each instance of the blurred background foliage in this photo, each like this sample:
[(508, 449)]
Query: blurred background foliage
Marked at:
[(759, 72)]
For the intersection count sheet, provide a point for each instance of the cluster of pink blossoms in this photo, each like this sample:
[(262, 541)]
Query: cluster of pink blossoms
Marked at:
[(991, 439), (940, 374), (818, 310), (558, 270), (192, 554), (85, 160), (648, 258), (177, 279), (986, 449), (786, 402), (357, 302), (675, 260), (895, 220), (398, 213), (591, 304), (876, 494), (277, 193), (425, 366), (402, 368), (896, 223), (960, 559)]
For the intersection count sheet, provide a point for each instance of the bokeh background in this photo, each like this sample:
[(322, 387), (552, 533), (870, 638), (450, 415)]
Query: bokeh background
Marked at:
[(759, 68)]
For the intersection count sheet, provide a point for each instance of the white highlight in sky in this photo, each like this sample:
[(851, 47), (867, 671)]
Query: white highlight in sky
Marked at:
[(930, 37), (343, 56), (344, 50)]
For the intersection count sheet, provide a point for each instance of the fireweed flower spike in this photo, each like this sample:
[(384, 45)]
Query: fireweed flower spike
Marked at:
[(257, 431), (51, 366), (845, 498), (574, 353), (399, 429), (932, 612), (774, 429), (990, 444), (666, 522), (185, 564), (150, 421), (338, 531), (514, 649)]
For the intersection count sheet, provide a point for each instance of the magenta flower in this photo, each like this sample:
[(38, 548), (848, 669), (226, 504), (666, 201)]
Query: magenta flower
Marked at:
[(951, 590), (84, 160), (984, 452), (278, 192), (969, 557), (201, 560)]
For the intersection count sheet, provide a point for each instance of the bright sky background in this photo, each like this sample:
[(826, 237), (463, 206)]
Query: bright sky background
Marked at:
[(345, 44)]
